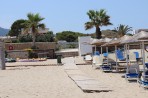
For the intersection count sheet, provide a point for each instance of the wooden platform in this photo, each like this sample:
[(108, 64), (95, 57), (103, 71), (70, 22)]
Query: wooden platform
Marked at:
[(83, 81), (71, 67)]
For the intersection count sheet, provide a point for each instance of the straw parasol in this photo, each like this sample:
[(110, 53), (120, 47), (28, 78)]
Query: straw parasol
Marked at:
[(125, 39), (97, 42), (115, 42), (109, 43), (100, 41), (143, 37), (135, 38)]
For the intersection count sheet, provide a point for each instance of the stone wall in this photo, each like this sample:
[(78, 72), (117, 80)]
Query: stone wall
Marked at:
[(23, 54), (65, 45), (68, 54), (17, 54), (22, 46), (18, 51)]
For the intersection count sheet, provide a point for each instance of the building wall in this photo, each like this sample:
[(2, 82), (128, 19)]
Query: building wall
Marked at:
[(69, 54), (22, 46), (23, 54), (17, 54), (45, 49), (65, 45), (84, 47)]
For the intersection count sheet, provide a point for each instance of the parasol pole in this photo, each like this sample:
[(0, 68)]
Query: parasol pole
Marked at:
[(101, 49), (126, 46), (143, 56), (95, 49), (116, 58), (107, 55), (141, 49)]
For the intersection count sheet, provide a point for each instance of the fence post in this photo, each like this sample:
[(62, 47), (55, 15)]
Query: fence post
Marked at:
[(2, 56)]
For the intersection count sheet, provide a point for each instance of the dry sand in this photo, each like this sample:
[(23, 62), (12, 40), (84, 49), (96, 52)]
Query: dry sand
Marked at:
[(53, 82)]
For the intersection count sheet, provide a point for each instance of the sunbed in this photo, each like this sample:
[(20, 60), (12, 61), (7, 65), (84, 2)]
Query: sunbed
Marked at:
[(132, 72), (97, 61), (143, 79)]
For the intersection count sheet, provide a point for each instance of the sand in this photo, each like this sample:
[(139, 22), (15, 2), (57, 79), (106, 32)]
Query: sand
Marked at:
[(53, 82)]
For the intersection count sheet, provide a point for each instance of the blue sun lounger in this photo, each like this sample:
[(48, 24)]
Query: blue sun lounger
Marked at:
[(105, 67), (132, 72), (143, 80), (119, 55)]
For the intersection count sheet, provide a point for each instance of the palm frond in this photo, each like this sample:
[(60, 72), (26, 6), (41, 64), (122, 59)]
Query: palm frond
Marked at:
[(123, 29), (89, 25), (41, 26), (99, 18)]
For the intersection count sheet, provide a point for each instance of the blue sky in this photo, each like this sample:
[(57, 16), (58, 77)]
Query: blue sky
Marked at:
[(71, 15)]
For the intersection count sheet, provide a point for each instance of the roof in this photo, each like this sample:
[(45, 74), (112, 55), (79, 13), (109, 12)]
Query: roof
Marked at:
[(67, 50), (118, 41), (100, 41)]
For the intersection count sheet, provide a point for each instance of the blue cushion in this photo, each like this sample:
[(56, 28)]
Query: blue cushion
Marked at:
[(106, 67), (120, 55), (96, 53), (137, 54), (105, 54), (144, 83), (146, 64), (132, 75)]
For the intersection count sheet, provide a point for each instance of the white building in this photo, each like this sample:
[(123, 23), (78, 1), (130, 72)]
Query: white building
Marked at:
[(8, 38), (84, 46)]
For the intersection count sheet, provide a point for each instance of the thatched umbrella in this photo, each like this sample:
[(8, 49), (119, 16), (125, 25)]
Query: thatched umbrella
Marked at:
[(110, 43), (99, 42), (106, 45), (96, 42), (116, 42), (143, 37), (135, 38), (105, 40)]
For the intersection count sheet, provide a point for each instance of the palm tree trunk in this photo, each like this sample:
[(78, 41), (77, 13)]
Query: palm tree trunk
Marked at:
[(33, 38), (98, 33)]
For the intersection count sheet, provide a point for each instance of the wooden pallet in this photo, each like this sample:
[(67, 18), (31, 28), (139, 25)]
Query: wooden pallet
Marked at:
[(83, 81)]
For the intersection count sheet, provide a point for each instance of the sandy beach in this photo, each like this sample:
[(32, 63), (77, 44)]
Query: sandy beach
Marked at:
[(52, 82)]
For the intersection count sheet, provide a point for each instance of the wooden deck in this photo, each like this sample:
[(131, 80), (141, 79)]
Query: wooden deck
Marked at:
[(83, 81)]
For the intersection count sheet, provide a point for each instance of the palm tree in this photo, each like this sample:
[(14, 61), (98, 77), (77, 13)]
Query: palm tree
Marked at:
[(33, 24), (97, 19), (123, 29)]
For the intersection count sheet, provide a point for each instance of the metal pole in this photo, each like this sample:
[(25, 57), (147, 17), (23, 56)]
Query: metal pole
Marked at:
[(128, 49), (124, 49), (141, 49), (107, 55), (116, 58), (126, 57), (95, 49), (128, 53), (143, 57), (101, 49)]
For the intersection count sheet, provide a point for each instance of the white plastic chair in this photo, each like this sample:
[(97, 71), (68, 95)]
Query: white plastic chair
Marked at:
[(97, 61), (132, 57)]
